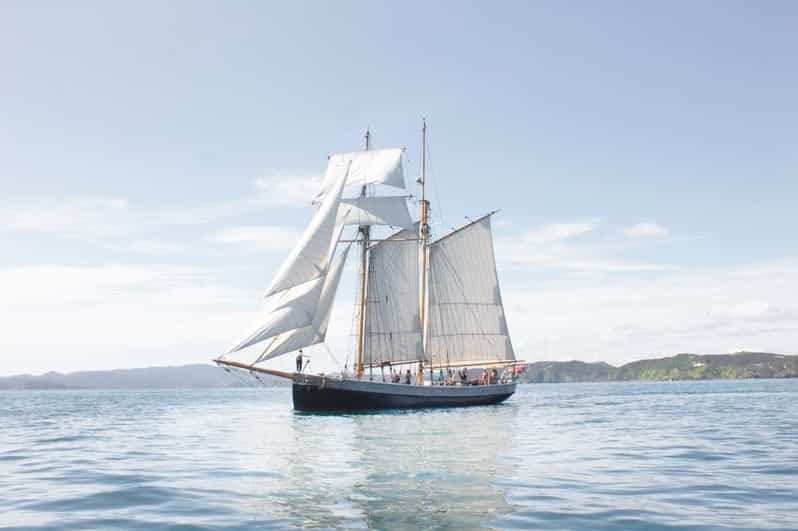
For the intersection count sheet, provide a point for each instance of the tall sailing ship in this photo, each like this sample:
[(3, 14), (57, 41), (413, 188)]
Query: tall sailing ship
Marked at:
[(432, 307)]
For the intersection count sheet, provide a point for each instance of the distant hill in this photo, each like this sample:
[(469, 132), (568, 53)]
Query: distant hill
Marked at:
[(186, 376), (678, 367)]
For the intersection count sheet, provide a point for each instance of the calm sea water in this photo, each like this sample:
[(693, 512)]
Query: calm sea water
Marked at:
[(703, 455)]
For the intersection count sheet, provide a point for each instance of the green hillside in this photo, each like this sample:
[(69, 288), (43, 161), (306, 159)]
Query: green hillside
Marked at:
[(678, 367)]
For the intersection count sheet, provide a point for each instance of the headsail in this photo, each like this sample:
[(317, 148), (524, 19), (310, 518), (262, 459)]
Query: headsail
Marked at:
[(378, 210), (295, 308), (310, 257), (465, 320), (316, 331), (378, 166), (392, 326)]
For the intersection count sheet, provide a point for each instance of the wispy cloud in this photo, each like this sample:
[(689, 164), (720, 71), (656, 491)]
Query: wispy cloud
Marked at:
[(154, 247), (288, 190), (554, 246), (78, 317), (262, 237), (88, 215), (625, 317), (645, 229), (556, 232), (116, 223)]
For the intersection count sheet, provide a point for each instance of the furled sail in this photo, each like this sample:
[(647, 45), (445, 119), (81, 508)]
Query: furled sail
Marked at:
[(316, 331), (294, 308), (392, 326), (310, 257), (377, 166), (465, 320), (384, 210)]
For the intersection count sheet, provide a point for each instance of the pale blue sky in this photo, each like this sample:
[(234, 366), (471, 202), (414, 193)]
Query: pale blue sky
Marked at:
[(133, 136)]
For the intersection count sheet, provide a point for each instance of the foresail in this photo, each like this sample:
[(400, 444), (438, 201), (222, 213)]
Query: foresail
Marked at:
[(310, 257), (379, 210), (316, 331), (392, 325), (377, 166), (465, 320), (294, 308)]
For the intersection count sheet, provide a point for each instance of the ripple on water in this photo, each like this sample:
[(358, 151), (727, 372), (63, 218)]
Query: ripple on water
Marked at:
[(702, 455)]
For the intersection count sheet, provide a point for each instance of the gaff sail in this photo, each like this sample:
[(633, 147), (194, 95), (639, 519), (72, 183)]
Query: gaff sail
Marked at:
[(392, 331), (465, 320)]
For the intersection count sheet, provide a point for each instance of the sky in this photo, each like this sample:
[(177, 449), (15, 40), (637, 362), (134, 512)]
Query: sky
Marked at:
[(157, 160)]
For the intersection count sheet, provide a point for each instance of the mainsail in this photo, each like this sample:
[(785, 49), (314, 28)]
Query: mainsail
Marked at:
[(316, 331), (465, 320), (392, 327)]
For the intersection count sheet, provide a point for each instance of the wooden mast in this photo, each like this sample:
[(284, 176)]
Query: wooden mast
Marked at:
[(364, 230), (424, 234), (424, 227)]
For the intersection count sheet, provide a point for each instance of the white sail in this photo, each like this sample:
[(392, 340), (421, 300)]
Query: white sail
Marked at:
[(466, 318), (385, 210), (392, 321), (377, 166), (310, 257), (294, 308), (316, 331)]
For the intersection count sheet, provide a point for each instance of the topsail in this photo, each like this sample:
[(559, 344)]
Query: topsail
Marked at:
[(379, 166)]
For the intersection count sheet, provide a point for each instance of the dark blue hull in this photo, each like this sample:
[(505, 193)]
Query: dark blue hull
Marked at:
[(313, 393)]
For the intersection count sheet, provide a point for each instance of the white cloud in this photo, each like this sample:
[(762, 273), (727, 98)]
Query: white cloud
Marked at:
[(93, 217), (645, 229), (556, 232), (550, 246), (750, 311), (262, 237), (288, 190), (106, 316), (620, 318), (154, 247), (90, 216)]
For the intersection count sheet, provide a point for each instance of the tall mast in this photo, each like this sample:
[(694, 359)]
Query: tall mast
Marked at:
[(423, 227), (364, 242)]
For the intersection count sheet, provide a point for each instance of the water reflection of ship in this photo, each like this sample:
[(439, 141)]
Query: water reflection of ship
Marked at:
[(429, 305), (396, 470)]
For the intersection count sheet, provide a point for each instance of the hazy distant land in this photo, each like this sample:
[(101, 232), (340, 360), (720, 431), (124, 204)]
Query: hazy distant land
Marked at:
[(185, 376), (679, 367)]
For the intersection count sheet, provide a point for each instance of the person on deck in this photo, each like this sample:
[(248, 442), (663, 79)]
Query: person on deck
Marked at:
[(494, 376), (484, 379), (441, 377), (408, 377), (464, 376), (299, 361)]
